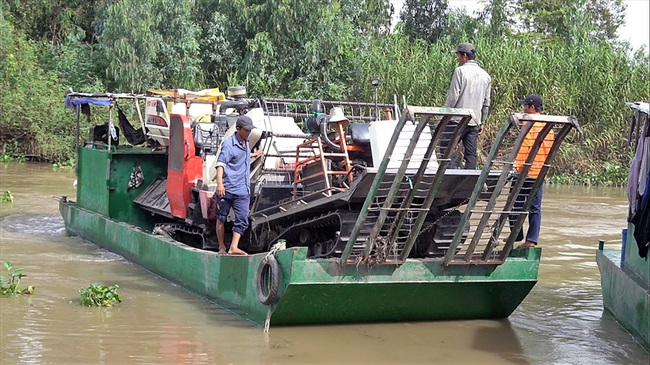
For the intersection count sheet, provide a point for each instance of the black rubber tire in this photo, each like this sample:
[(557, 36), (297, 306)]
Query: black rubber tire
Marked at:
[(268, 279)]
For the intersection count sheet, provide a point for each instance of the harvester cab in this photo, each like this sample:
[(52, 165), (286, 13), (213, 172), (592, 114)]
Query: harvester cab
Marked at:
[(161, 104)]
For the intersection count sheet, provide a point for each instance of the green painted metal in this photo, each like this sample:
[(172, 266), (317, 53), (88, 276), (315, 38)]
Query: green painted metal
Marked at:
[(227, 279), (313, 291), (103, 179), (90, 169), (417, 290), (633, 261), (321, 291), (624, 274), (626, 295)]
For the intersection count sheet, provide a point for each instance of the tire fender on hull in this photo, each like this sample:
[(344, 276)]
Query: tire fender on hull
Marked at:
[(268, 279)]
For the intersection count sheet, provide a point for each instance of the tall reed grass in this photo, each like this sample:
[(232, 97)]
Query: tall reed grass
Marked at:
[(588, 80)]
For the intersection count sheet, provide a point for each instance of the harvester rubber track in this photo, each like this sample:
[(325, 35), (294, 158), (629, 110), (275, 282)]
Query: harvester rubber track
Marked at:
[(194, 236), (326, 235)]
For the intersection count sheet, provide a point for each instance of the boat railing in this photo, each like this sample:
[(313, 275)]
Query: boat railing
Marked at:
[(300, 109)]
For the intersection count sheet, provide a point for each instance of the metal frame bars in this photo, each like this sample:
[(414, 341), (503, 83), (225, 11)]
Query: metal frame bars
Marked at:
[(394, 188), (515, 192), (570, 123), (435, 185), (381, 171), (410, 114), (500, 183), (497, 226)]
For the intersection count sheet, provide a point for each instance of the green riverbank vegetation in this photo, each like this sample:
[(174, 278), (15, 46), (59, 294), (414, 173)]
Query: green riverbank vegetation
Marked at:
[(567, 51)]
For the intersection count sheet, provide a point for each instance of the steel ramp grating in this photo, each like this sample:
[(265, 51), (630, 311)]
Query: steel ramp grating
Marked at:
[(406, 183), (494, 216)]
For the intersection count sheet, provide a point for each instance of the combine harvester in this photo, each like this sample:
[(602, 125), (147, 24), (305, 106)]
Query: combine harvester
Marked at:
[(353, 219)]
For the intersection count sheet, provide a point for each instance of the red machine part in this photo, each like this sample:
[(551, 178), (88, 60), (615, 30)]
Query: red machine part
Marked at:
[(184, 167)]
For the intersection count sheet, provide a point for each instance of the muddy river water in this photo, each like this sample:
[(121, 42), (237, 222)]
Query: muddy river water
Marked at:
[(560, 322)]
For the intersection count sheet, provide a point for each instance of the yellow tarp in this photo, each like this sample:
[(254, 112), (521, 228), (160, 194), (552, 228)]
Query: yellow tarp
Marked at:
[(205, 94)]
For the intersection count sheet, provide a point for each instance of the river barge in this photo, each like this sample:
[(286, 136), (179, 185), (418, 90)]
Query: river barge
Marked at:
[(358, 219), (625, 272)]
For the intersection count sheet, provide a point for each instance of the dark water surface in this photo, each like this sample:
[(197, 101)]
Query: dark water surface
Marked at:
[(560, 322)]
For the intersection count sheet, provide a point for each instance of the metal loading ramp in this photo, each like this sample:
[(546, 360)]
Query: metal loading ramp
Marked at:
[(406, 190)]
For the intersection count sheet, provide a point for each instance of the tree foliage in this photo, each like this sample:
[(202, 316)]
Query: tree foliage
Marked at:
[(424, 19), (606, 16), (31, 118), (160, 49), (571, 20), (565, 50), (370, 18), (550, 18), (461, 27), (178, 57), (499, 16), (221, 47), (129, 47), (53, 21), (292, 46)]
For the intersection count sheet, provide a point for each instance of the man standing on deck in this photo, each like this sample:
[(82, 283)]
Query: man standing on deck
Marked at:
[(470, 89), (532, 105), (234, 184)]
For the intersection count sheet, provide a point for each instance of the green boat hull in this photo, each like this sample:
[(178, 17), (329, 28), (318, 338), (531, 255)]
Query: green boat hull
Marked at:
[(321, 291), (626, 288)]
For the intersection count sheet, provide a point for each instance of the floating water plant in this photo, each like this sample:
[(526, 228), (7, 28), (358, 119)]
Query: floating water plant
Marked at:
[(7, 197), (99, 296), (10, 285)]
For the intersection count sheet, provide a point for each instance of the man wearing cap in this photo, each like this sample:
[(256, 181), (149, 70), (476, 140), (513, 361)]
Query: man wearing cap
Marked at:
[(470, 89), (234, 183), (532, 105)]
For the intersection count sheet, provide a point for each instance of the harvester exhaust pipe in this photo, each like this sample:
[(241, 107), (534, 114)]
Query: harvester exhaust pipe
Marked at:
[(375, 83)]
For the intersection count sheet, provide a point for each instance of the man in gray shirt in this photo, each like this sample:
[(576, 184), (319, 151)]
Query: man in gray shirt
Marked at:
[(470, 89)]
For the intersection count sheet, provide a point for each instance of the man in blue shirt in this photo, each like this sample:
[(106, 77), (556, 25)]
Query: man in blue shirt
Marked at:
[(234, 184)]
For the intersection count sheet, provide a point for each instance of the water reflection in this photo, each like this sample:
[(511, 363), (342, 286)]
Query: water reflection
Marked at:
[(560, 322), (500, 338)]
